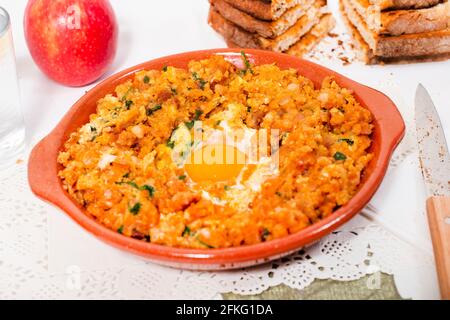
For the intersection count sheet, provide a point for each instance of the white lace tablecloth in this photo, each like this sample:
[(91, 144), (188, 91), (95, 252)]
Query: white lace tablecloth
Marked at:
[(44, 254)]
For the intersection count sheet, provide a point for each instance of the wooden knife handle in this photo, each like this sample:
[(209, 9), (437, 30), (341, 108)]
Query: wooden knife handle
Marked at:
[(438, 209)]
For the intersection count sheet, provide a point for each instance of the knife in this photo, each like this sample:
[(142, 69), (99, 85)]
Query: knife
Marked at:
[(435, 164)]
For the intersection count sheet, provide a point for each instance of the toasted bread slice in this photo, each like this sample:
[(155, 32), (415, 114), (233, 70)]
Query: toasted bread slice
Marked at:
[(397, 22), (367, 55), (403, 4), (309, 40), (267, 29), (417, 44), (313, 37), (264, 9), (281, 43)]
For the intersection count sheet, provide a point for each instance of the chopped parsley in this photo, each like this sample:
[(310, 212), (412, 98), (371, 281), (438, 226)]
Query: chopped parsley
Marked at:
[(201, 82), (350, 142), (227, 188), (182, 177), (149, 189), (189, 124), (120, 229), (134, 210), (171, 144), (128, 104), (186, 231), (205, 244), (124, 97), (146, 79), (146, 187), (339, 156), (133, 184), (248, 66), (130, 183), (174, 91), (150, 111), (265, 233), (94, 132), (197, 115), (164, 68)]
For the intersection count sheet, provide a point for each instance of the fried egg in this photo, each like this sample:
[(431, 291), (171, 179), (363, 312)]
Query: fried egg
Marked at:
[(227, 152)]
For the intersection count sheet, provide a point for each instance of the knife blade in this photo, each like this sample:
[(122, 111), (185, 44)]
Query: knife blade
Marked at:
[(433, 151), (435, 164)]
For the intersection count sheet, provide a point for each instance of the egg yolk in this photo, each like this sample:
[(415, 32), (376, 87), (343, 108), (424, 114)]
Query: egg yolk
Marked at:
[(217, 163)]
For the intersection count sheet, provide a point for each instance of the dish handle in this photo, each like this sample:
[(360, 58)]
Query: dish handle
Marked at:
[(42, 173)]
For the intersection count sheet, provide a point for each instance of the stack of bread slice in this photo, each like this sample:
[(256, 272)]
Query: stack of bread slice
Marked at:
[(290, 26), (390, 31)]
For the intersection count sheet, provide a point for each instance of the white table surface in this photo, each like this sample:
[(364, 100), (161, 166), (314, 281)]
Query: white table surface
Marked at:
[(150, 29)]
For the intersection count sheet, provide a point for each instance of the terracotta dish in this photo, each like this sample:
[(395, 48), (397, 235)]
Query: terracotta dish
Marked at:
[(388, 132)]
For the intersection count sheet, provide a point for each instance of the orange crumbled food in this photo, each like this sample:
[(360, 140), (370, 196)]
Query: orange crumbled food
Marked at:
[(120, 166)]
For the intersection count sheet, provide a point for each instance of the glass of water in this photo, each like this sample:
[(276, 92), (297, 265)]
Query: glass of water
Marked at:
[(12, 127)]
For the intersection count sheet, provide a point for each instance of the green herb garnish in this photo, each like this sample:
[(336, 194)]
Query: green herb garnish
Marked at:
[(248, 66), (205, 244), (128, 104), (182, 177), (170, 144), (339, 156), (189, 124), (149, 189), (120, 229), (146, 187), (350, 142), (227, 188), (201, 82), (150, 111), (174, 91), (94, 132), (124, 97), (164, 68), (265, 234), (134, 210), (130, 183), (186, 231), (146, 79), (198, 114)]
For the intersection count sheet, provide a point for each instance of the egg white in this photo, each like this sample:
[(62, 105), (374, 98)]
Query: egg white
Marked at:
[(243, 191)]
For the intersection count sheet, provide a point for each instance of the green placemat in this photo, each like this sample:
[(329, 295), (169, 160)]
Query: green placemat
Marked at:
[(361, 289)]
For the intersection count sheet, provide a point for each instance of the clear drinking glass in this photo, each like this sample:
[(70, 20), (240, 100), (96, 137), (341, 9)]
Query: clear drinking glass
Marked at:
[(12, 127)]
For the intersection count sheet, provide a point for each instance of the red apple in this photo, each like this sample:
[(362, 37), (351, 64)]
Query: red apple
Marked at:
[(72, 41)]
